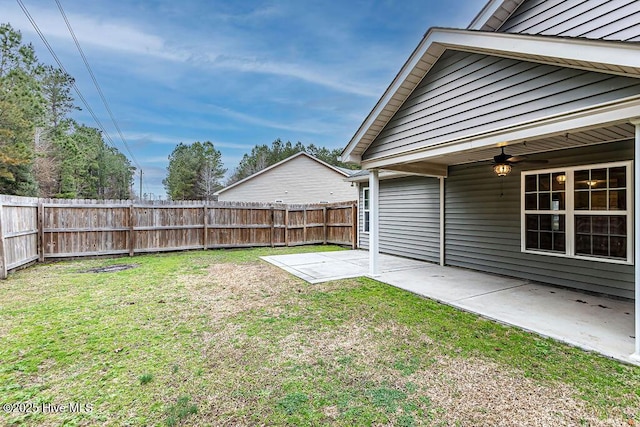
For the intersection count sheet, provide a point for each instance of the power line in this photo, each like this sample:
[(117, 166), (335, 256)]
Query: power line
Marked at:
[(75, 87), (95, 83), (55, 57)]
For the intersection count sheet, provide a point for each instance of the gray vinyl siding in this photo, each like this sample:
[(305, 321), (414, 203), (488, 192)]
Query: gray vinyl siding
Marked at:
[(482, 226), (594, 19), (468, 93), (409, 218)]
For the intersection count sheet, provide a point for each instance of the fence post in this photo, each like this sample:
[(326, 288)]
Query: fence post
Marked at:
[(273, 226), (354, 226), (286, 226), (40, 226), (304, 225), (3, 257), (132, 231), (205, 237), (324, 220)]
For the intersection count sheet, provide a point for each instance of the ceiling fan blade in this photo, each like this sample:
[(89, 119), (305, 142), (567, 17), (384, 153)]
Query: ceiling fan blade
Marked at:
[(516, 159)]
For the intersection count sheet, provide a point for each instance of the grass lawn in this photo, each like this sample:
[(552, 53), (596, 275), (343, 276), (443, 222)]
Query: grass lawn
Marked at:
[(222, 338)]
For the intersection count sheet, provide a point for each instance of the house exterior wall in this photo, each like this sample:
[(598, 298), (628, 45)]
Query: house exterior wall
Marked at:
[(594, 19), (300, 180), (468, 93), (409, 218), (482, 226)]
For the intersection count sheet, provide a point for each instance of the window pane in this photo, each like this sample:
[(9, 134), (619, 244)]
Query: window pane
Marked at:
[(546, 241), (582, 200), (558, 180), (600, 225), (617, 200), (544, 201), (530, 183), (599, 200), (583, 244), (618, 225), (532, 240), (545, 222), (583, 224), (544, 182), (618, 247), (618, 177), (600, 245), (558, 222), (531, 202), (366, 221), (559, 242), (557, 201), (581, 178), (599, 178), (532, 222)]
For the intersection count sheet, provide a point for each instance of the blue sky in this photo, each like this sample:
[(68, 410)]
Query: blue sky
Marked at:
[(236, 73)]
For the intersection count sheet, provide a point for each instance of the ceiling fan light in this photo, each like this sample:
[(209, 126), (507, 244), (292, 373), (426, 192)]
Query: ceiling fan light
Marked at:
[(561, 179), (502, 169)]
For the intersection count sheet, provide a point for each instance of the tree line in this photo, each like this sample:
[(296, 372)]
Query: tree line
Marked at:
[(196, 172), (44, 152)]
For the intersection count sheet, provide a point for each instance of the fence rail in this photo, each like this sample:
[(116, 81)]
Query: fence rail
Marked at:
[(34, 229)]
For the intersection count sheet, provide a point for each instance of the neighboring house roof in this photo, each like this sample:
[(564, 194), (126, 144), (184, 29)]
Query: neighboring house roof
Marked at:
[(342, 171), (613, 57)]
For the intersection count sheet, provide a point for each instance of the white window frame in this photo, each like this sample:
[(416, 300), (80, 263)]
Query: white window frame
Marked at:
[(366, 206), (570, 212)]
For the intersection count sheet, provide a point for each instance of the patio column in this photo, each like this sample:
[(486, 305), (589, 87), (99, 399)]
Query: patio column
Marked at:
[(636, 239), (374, 225), (442, 213)]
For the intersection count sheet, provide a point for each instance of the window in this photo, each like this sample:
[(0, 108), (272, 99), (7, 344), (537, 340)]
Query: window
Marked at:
[(365, 209), (580, 212)]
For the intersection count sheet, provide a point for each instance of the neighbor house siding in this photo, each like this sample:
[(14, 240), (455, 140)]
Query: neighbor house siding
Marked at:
[(594, 19), (409, 218), (468, 93), (299, 180), (482, 227)]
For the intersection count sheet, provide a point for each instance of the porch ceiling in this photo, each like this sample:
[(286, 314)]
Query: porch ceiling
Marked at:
[(430, 165)]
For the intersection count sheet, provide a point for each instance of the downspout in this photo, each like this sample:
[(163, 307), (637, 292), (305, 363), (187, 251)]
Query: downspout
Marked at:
[(374, 225)]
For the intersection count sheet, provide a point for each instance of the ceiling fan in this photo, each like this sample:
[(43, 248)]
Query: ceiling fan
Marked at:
[(502, 163)]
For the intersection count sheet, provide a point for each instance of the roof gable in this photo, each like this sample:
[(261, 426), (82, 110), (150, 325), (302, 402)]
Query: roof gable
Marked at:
[(289, 159), (467, 94), (601, 56)]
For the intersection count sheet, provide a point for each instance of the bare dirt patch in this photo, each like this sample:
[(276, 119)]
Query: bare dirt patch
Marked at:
[(111, 268)]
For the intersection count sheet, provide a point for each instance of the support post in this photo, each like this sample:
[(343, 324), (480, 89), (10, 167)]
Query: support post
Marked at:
[(636, 239), (3, 255), (286, 226), (205, 231), (273, 225), (374, 227), (41, 242), (442, 253), (354, 226), (324, 222), (132, 230)]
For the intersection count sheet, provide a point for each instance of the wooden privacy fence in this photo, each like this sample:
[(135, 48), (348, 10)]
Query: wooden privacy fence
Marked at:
[(34, 229)]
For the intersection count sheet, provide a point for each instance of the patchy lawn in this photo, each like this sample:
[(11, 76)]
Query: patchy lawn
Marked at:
[(222, 338)]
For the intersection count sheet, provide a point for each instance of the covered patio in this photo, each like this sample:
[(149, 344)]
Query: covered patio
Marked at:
[(596, 323)]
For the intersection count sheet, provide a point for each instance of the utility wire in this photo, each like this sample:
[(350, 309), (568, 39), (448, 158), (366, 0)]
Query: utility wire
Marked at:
[(75, 87), (55, 57), (95, 83)]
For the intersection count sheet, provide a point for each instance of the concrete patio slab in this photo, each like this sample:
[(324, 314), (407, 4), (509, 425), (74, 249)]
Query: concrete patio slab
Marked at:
[(595, 323)]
